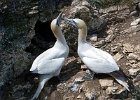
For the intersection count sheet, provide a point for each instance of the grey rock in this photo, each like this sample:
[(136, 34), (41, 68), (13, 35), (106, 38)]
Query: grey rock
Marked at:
[(116, 48), (137, 78), (68, 96), (81, 96), (20, 90), (94, 38), (135, 22), (134, 72), (109, 38), (133, 56), (22, 62), (33, 12), (137, 48), (132, 29), (16, 32), (55, 95), (78, 80), (83, 67), (128, 48), (110, 31), (74, 87), (118, 56), (138, 64), (111, 90), (113, 9), (102, 97), (83, 10), (100, 43), (133, 13), (106, 82), (88, 89), (133, 65)]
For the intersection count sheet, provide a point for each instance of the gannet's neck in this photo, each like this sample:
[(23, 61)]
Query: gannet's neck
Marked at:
[(82, 35), (60, 42)]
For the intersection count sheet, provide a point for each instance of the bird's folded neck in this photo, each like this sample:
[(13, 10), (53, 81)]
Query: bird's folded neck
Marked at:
[(82, 35), (60, 42), (59, 36)]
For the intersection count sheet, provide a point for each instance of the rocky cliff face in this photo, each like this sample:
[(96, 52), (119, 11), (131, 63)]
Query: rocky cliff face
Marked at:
[(25, 33)]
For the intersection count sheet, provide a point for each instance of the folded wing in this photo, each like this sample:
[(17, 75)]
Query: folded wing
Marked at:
[(45, 66), (100, 65)]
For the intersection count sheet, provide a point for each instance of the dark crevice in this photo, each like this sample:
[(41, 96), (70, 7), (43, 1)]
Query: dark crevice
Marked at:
[(43, 38)]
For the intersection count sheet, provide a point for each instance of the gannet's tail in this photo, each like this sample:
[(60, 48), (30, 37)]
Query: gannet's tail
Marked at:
[(121, 78), (43, 80)]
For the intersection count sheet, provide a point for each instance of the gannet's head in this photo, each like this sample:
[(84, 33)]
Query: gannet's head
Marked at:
[(78, 23), (56, 22)]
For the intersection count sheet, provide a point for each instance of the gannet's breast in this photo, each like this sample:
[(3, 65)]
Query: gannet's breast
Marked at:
[(49, 61)]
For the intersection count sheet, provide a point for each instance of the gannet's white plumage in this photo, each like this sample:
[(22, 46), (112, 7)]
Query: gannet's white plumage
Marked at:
[(96, 59), (50, 62)]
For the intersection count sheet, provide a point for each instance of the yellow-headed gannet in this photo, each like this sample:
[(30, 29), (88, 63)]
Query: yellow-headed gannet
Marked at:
[(50, 62), (95, 59)]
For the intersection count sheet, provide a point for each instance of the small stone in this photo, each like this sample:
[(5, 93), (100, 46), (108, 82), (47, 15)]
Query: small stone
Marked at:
[(33, 12), (137, 48), (135, 22), (68, 96), (115, 49), (70, 60), (134, 65), (55, 95), (133, 56), (106, 82), (89, 90), (35, 7), (137, 28), (133, 13), (132, 29), (134, 72), (83, 67), (137, 78), (111, 90), (100, 43), (109, 38), (36, 79), (133, 61), (102, 97), (46, 98), (94, 37), (85, 3), (73, 87), (78, 80), (128, 48), (110, 31), (79, 60), (88, 71), (118, 56), (81, 96), (138, 64)]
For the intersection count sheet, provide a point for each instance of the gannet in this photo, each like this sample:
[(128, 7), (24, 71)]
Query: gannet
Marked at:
[(97, 60), (50, 62)]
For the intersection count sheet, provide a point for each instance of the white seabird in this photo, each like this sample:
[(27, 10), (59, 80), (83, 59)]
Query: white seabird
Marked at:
[(95, 59), (50, 62)]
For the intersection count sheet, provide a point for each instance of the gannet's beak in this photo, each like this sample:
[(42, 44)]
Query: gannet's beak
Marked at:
[(59, 18), (71, 22)]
